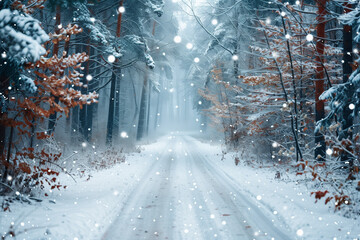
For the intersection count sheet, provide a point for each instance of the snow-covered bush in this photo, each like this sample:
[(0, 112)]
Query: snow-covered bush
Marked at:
[(106, 159)]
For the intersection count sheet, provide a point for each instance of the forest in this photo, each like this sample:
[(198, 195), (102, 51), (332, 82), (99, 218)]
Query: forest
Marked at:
[(179, 119)]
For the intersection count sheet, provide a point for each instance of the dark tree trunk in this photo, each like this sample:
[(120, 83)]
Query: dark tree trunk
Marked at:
[(117, 106), (89, 120), (52, 117), (83, 115), (92, 85), (74, 123), (32, 136), (110, 123), (320, 144), (5, 74), (9, 153), (57, 29), (347, 61)]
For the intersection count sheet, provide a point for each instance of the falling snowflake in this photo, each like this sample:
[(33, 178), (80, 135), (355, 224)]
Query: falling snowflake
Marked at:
[(329, 151), (214, 21), (177, 39), (111, 58), (124, 135), (309, 37), (300, 232), (121, 9), (89, 77), (189, 46)]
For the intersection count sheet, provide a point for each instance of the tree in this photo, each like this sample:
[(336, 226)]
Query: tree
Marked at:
[(344, 97), (347, 70), (125, 49), (19, 45), (320, 145), (45, 85)]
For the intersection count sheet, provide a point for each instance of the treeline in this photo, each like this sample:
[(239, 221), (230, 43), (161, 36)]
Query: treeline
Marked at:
[(280, 80), (75, 74)]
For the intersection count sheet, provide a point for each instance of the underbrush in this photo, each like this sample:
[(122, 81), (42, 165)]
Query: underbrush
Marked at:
[(30, 174), (331, 182), (334, 183)]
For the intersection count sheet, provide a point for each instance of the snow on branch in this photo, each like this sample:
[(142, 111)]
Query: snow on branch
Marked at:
[(156, 6), (133, 44), (97, 30), (21, 37)]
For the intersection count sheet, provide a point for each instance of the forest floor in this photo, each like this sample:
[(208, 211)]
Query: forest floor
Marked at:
[(179, 188)]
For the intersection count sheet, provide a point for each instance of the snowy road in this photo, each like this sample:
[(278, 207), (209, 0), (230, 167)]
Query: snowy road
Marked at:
[(184, 196)]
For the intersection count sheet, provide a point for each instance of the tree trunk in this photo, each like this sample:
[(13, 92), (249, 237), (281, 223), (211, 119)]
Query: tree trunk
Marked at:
[(117, 106), (5, 73), (142, 114), (110, 123), (347, 60), (320, 144), (74, 124), (157, 116), (296, 114), (83, 115), (148, 109), (75, 110), (32, 136), (92, 85), (52, 117), (9, 153)]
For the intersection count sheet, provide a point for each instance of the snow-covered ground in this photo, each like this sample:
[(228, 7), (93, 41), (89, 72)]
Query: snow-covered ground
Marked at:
[(178, 188), (86, 208), (286, 201)]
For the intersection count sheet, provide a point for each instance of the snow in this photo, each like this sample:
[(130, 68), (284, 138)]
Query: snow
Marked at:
[(86, 208), (121, 9), (98, 31), (180, 188), (156, 6), (309, 37), (27, 84), (177, 39), (23, 42), (328, 93), (286, 200), (189, 46)]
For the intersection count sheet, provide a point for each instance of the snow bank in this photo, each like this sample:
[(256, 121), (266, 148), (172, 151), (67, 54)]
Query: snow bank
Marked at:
[(86, 208), (287, 201)]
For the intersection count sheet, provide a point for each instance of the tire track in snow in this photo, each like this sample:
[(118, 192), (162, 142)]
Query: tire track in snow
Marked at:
[(227, 221), (192, 211), (221, 181), (148, 201), (184, 196)]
